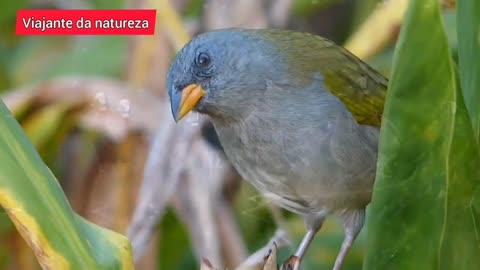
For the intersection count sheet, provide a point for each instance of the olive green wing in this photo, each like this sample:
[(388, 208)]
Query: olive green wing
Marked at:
[(361, 88)]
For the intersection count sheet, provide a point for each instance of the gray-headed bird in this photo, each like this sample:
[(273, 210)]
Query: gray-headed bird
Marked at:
[(297, 116)]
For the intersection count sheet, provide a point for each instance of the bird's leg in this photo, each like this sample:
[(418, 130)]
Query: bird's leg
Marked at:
[(352, 224), (306, 241), (313, 224)]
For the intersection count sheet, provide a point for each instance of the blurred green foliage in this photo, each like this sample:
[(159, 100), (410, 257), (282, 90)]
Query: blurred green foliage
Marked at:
[(40, 58), (469, 56), (9, 10), (174, 244), (423, 213), (29, 59), (363, 10), (310, 7)]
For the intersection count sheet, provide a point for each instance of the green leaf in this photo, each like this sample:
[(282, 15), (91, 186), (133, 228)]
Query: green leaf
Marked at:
[(468, 31), (422, 214), (34, 201)]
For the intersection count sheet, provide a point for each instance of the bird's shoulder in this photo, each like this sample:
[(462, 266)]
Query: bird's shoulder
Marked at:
[(361, 88)]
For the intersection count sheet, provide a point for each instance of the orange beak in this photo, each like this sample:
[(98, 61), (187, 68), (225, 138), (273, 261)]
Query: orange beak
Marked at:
[(190, 96)]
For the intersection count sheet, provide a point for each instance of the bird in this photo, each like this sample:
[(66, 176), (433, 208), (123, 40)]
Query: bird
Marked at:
[(297, 115)]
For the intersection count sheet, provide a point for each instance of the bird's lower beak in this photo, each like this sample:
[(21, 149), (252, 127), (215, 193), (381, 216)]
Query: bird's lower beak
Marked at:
[(182, 102)]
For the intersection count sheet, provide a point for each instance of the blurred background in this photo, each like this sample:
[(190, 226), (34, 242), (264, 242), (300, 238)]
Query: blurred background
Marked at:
[(95, 109)]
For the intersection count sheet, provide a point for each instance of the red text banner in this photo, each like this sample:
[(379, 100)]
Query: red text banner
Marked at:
[(86, 22)]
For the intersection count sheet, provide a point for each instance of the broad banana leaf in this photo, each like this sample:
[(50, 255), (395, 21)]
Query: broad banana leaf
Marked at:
[(423, 213), (34, 201)]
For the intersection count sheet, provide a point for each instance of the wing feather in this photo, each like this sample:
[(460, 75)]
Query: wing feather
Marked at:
[(361, 88)]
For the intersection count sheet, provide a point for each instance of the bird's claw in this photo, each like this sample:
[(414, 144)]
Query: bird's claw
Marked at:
[(292, 263)]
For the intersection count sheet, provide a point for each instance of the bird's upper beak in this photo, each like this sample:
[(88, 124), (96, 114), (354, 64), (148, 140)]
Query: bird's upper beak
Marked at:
[(183, 101)]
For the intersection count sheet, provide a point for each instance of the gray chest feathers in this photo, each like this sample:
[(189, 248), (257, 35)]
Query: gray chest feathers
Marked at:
[(304, 160)]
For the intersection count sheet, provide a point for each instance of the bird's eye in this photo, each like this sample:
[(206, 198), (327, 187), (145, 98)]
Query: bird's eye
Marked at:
[(203, 60)]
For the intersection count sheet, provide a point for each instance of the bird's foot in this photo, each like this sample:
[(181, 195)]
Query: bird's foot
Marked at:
[(292, 263)]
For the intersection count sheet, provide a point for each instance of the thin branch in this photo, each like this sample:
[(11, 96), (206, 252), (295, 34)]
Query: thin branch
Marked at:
[(257, 259)]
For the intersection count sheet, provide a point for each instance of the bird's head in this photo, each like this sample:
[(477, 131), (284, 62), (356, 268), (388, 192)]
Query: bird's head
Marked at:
[(221, 73)]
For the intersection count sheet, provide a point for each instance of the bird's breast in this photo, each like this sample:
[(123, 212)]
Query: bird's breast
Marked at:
[(301, 158)]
